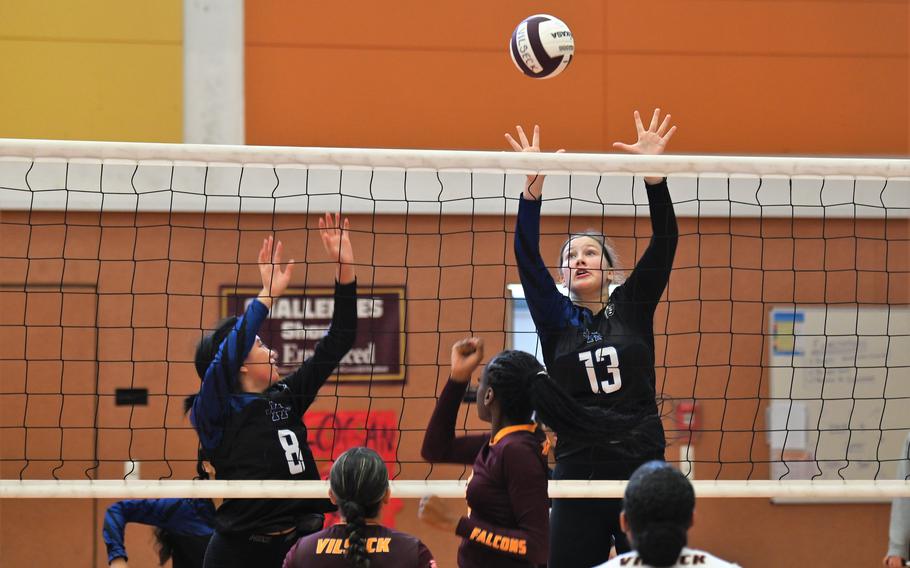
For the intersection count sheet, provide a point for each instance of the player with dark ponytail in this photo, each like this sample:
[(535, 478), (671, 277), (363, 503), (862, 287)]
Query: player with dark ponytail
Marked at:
[(658, 510), (359, 485), (598, 343), (508, 523)]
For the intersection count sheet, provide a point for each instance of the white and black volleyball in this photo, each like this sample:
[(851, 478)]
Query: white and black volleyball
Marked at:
[(542, 46)]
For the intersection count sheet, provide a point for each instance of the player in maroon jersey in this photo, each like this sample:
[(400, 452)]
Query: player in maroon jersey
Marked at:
[(508, 524), (359, 484)]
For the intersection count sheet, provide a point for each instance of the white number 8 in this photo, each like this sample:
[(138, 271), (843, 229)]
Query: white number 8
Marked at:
[(614, 381), (291, 447)]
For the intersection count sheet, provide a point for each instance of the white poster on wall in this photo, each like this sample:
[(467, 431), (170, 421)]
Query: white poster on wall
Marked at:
[(840, 391)]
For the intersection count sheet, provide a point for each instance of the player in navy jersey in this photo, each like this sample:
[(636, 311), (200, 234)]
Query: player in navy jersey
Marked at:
[(507, 494), (250, 423), (359, 485), (657, 512), (600, 346), (183, 527)]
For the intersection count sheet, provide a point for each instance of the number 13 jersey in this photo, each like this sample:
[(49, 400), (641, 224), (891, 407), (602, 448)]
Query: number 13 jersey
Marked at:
[(605, 359)]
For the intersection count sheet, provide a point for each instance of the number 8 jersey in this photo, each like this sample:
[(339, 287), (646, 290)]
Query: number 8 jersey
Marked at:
[(604, 359), (262, 435)]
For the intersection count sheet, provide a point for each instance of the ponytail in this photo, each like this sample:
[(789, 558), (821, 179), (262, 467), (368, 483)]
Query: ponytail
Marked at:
[(163, 545), (356, 552), (359, 480), (522, 386), (567, 417)]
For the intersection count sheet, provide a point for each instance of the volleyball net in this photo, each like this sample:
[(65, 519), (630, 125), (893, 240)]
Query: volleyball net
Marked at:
[(782, 340)]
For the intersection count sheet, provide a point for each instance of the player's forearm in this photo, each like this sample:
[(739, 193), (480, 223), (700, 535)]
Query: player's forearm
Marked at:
[(343, 330), (533, 187), (345, 273), (660, 204), (439, 443)]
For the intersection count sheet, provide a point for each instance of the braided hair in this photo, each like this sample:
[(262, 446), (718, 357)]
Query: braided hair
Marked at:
[(522, 387), (658, 503), (359, 480)]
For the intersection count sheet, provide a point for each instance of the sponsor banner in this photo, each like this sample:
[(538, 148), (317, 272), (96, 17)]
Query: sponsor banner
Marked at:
[(301, 317)]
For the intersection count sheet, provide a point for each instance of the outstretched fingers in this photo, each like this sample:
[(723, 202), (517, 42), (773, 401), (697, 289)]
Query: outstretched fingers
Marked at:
[(522, 137), (512, 142), (265, 251), (624, 147), (664, 126), (654, 119), (639, 127)]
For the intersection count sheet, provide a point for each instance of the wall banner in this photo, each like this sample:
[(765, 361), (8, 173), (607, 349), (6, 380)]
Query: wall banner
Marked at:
[(300, 318)]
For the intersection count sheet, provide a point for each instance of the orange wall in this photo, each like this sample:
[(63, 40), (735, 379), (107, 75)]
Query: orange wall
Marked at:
[(149, 313), (739, 76)]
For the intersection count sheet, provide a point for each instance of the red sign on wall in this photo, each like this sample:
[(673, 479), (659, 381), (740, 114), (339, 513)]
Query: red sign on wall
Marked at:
[(331, 433), (300, 318)]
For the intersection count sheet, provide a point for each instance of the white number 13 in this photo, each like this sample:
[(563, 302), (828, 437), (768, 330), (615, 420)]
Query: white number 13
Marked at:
[(291, 447), (613, 382)]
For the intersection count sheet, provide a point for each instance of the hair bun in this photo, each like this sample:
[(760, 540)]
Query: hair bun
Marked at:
[(659, 545), (351, 510)]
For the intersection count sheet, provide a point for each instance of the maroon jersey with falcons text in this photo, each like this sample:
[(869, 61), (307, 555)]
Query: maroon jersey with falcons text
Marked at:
[(508, 524)]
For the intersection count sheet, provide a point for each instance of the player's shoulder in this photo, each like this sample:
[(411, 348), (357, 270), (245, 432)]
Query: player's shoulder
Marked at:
[(521, 443)]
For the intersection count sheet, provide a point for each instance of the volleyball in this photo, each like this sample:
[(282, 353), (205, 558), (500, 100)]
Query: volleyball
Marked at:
[(542, 46)]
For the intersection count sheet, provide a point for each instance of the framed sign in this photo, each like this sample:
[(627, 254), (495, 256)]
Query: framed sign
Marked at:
[(301, 317)]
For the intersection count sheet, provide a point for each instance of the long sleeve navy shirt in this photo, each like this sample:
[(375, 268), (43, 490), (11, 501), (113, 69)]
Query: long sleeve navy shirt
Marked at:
[(604, 359)]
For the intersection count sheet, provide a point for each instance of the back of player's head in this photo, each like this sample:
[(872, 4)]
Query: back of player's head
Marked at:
[(208, 346), (510, 374), (359, 480), (658, 504)]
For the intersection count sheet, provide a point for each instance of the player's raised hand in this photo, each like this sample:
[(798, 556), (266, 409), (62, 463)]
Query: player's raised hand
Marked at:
[(336, 240), (534, 187), (466, 356), (651, 141), (433, 511), (275, 279)]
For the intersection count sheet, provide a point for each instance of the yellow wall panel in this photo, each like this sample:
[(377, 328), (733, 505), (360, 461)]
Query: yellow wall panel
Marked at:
[(156, 21), (91, 91), (92, 70)]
